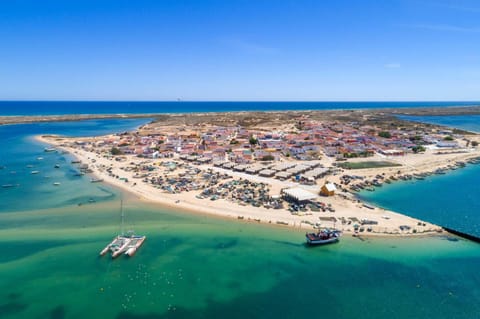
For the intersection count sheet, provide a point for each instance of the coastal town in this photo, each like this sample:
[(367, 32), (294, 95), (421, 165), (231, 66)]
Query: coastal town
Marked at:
[(298, 171)]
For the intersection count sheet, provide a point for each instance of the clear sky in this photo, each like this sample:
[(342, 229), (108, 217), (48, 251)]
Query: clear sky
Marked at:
[(239, 50)]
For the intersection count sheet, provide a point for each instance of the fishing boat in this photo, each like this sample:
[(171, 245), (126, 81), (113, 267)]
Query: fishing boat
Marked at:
[(323, 237), (35, 172), (49, 149), (56, 184), (96, 180), (57, 166), (127, 244)]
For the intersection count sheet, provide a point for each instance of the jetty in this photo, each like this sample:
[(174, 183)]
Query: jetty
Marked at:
[(473, 238)]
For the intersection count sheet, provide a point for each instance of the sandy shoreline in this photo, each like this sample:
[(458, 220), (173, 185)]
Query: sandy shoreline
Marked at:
[(345, 208)]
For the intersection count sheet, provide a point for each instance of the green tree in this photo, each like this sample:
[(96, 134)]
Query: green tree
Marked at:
[(474, 143), (268, 158), (385, 134), (418, 149), (448, 138), (116, 151), (253, 140)]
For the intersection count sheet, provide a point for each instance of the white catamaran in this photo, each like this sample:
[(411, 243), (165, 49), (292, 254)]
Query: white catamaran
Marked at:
[(125, 243)]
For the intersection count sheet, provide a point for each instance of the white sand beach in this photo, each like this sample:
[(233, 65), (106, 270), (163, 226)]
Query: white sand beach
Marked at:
[(345, 206)]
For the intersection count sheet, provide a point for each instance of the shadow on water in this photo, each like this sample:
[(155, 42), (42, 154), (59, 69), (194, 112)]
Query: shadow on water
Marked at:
[(13, 296), (11, 308), (19, 250), (289, 243), (81, 200), (226, 244), (57, 313)]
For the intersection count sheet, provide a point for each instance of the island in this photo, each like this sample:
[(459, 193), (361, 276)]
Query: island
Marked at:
[(301, 169)]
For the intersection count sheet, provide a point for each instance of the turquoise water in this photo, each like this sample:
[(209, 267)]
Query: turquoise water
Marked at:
[(195, 266), (199, 267), (466, 122), (21, 155), (450, 200)]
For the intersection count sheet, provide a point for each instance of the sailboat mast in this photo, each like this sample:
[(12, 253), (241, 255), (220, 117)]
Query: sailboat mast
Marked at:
[(123, 217)]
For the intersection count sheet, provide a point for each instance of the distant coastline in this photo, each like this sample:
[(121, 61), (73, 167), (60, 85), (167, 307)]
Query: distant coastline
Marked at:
[(52, 108), (417, 111)]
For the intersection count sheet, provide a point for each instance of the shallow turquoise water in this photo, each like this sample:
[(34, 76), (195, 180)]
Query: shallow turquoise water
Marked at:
[(202, 267), (21, 155), (466, 122), (451, 200)]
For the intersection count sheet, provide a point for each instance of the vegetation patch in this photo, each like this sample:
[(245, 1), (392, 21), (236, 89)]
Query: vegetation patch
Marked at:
[(369, 164)]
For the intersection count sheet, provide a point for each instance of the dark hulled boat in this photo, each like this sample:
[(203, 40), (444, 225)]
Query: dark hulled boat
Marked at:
[(325, 236)]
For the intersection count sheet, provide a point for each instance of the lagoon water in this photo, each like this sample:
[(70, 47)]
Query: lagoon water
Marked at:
[(21, 156), (451, 200), (131, 107), (465, 122), (197, 266)]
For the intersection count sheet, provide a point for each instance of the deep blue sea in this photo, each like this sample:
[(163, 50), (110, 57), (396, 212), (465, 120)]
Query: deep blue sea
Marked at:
[(451, 200), (196, 266), (56, 108)]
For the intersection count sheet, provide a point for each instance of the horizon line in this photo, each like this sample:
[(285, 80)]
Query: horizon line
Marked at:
[(243, 101)]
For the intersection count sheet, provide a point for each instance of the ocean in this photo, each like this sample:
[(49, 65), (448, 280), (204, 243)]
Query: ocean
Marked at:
[(65, 107), (198, 266)]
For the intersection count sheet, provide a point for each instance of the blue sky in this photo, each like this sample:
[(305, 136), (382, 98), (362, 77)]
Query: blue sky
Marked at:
[(239, 50)]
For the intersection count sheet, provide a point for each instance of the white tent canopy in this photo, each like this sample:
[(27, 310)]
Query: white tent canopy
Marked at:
[(299, 194)]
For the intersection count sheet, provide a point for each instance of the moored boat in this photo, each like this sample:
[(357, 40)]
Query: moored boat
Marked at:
[(127, 244), (49, 149), (118, 245), (135, 243), (325, 236), (9, 185)]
